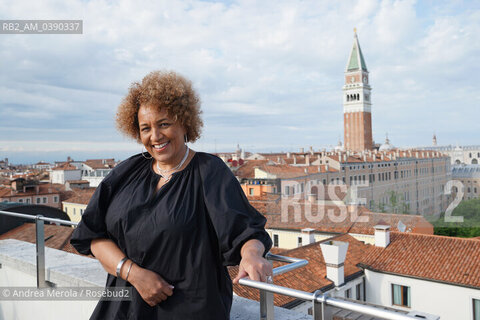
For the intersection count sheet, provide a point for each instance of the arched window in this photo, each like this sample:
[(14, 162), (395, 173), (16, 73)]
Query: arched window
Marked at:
[(457, 161), (474, 161), (348, 97)]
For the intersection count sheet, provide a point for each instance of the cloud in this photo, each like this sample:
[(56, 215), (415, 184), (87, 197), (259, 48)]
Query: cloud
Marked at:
[(262, 68)]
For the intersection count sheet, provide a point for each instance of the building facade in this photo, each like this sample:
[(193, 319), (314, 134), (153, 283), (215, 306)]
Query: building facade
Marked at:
[(459, 154), (397, 181), (29, 192), (468, 177)]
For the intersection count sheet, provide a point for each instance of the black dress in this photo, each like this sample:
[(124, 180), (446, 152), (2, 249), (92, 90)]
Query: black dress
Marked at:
[(187, 232)]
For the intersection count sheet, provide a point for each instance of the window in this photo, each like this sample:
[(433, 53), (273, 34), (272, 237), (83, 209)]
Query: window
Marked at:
[(275, 240), (20, 200), (39, 200), (400, 295), (250, 191), (55, 199), (287, 190), (348, 293), (74, 211), (476, 309), (359, 292), (44, 200), (28, 200), (299, 241), (66, 210)]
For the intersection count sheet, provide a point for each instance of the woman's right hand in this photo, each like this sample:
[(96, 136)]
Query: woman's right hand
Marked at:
[(150, 285)]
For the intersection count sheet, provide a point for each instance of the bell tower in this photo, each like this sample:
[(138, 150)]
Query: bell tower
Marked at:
[(357, 106)]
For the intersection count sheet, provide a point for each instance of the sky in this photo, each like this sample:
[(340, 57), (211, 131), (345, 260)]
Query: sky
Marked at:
[(269, 73)]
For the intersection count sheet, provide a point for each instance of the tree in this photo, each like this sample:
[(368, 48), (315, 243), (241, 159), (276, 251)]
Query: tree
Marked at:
[(396, 204), (470, 227)]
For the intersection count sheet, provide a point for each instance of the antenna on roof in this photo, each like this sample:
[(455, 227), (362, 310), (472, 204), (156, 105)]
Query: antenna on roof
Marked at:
[(401, 226)]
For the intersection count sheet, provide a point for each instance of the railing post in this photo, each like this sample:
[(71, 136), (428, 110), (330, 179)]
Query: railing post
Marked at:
[(266, 301), (320, 307), (40, 245), (266, 305)]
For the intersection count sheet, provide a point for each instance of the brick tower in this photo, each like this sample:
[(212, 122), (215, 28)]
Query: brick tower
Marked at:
[(357, 106)]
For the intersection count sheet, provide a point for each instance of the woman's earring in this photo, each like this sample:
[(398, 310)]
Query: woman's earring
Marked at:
[(185, 137), (143, 154)]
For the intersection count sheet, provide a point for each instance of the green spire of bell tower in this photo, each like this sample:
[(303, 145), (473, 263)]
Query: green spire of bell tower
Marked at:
[(356, 61)]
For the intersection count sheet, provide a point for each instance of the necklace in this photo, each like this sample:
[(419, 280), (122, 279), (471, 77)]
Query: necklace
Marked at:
[(167, 174)]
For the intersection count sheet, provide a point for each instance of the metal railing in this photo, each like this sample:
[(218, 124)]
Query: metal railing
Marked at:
[(319, 300), (40, 241)]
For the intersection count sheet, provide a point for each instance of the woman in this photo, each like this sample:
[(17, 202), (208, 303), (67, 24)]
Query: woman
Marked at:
[(168, 221)]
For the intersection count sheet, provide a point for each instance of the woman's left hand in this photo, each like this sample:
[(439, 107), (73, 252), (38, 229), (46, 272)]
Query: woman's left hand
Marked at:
[(253, 264)]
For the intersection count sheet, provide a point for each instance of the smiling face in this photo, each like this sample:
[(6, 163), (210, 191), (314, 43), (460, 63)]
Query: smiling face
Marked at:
[(162, 137)]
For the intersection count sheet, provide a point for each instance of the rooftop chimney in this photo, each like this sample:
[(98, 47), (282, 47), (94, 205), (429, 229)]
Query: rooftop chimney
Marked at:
[(308, 236), (307, 159), (334, 254), (294, 159), (288, 155), (302, 150), (382, 236)]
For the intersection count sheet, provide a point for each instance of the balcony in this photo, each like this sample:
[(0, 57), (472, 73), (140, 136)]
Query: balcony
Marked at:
[(24, 264)]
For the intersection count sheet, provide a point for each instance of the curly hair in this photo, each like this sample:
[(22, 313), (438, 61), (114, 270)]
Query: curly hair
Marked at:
[(166, 90)]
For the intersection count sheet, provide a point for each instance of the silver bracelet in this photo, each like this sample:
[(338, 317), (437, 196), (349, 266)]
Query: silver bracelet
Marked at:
[(119, 266), (128, 271)]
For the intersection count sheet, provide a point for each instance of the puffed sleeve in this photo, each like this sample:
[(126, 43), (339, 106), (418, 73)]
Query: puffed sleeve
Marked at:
[(92, 226), (234, 219)]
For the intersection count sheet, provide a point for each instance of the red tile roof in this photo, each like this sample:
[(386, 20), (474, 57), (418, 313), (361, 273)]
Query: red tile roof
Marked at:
[(56, 237), (65, 166), (247, 170), (100, 163), (290, 171), (312, 277), (438, 258), (43, 189), (333, 219), (81, 196)]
